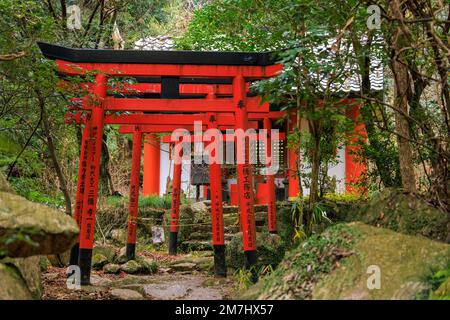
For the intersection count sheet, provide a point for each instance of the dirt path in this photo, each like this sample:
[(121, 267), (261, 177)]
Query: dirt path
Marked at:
[(163, 285)]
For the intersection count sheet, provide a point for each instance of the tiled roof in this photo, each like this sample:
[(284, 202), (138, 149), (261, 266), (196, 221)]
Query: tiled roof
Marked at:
[(161, 43), (351, 83)]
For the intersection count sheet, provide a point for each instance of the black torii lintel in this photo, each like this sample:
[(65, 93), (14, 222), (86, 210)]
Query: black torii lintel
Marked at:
[(51, 51)]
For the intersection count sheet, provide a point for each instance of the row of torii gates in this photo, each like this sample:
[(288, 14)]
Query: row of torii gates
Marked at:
[(162, 107)]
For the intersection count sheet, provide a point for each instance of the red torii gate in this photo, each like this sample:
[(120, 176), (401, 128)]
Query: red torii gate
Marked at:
[(171, 123), (170, 66)]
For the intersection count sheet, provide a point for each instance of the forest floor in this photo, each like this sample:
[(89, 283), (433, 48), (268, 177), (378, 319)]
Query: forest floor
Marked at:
[(165, 284)]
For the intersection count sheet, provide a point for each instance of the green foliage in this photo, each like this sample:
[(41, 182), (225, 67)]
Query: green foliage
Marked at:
[(270, 251), (343, 197), (437, 276), (27, 188), (164, 202), (153, 201), (401, 212), (229, 25), (381, 150), (307, 264), (244, 278)]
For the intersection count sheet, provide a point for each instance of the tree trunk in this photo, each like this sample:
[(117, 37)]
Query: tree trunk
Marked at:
[(315, 163), (52, 151), (402, 90)]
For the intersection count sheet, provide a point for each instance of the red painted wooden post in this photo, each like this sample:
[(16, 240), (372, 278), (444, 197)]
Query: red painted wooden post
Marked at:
[(294, 159), (175, 210), (271, 205), (134, 194), (81, 185), (215, 175), (152, 164), (354, 169), (93, 169), (245, 176)]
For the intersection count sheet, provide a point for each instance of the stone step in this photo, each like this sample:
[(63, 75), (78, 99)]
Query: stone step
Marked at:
[(196, 245), (231, 229), (206, 236), (230, 209)]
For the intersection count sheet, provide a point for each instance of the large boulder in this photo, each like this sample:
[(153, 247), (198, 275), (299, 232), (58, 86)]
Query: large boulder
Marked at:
[(27, 231), (20, 279), (402, 212), (341, 262), (28, 228), (4, 185), (269, 253)]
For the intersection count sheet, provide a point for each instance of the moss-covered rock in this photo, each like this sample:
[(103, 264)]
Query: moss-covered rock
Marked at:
[(111, 268), (443, 292), (270, 250), (131, 267), (20, 278), (4, 185), (60, 260), (29, 270), (335, 264), (108, 251), (28, 228), (121, 256), (13, 286), (402, 212), (98, 261), (146, 265)]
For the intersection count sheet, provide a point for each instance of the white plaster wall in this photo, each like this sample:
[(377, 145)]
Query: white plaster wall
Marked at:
[(338, 171), (166, 168)]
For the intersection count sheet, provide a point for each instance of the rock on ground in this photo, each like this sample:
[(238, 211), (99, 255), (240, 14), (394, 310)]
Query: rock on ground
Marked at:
[(184, 266), (111, 268), (121, 256), (199, 208), (4, 185), (98, 261), (335, 264), (131, 267), (44, 230), (28, 231), (108, 251), (402, 212), (126, 294), (20, 279)]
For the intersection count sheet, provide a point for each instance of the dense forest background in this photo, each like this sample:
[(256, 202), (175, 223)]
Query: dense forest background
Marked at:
[(408, 123)]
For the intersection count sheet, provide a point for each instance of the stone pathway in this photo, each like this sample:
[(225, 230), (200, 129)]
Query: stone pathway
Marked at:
[(186, 283)]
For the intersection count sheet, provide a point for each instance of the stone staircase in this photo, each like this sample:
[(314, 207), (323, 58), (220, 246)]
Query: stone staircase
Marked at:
[(200, 238)]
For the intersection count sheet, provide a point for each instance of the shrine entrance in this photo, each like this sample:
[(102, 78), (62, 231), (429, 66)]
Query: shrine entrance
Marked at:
[(173, 90)]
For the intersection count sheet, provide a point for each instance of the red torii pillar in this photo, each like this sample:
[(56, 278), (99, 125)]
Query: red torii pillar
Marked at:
[(81, 185), (215, 176), (245, 175), (176, 191), (134, 194), (152, 163), (94, 150), (271, 201)]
